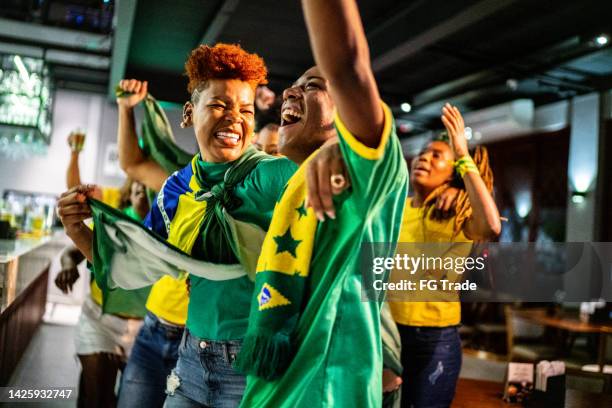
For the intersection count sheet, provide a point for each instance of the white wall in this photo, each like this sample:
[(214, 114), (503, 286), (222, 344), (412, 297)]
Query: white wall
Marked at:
[(98, 117), (108, 135), (47, 174)]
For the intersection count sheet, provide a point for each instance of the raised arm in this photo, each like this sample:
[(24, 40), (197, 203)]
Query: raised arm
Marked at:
[(73, 173), (484, 222), (131, 158), (341, 52)]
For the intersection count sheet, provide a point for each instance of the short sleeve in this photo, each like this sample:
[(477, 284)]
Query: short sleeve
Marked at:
[(374, 172), (163, 208), (154, 221), (270, 177)]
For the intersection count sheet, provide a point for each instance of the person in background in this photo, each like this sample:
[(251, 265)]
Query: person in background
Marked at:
[(108, 195), (155, 350), (312, 341), (267, 107), (431, 347), (267, 140), (103, 341)]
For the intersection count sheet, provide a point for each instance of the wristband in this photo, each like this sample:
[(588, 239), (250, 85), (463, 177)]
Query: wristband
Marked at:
[(466, 165)]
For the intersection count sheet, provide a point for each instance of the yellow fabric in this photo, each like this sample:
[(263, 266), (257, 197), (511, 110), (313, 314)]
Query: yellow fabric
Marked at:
[(95, 292), (169, 298), (297, 226), (362, 150), (111, 196), (417, 228), (185, 225)]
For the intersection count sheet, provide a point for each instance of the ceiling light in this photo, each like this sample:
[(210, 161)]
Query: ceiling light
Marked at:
[(405, 107), (468, 133), (602, 40), (23, 72)]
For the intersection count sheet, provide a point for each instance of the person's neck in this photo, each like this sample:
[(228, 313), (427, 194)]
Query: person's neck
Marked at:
[(300, 157), (299, 154), (420, 194)]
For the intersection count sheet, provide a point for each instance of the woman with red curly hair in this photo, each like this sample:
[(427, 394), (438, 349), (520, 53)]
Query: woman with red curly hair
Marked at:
[(227, 177), (227, 182)]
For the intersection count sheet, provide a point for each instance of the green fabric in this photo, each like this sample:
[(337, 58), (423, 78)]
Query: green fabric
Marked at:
[(127, 255), (117, 300), (220, 310), (156, 138), (131, 212), (392, 353), (337, 357)]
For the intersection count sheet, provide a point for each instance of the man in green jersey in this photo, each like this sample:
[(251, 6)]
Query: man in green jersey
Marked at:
[(311, 340)]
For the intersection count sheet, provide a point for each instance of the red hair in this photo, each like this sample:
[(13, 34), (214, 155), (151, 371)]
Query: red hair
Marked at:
[(224, 61)]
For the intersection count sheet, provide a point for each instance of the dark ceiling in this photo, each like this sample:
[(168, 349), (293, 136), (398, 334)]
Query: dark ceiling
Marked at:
[(424, 52)]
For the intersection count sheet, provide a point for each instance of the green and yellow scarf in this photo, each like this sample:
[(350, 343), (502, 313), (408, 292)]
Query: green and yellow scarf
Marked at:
[(280, 283)]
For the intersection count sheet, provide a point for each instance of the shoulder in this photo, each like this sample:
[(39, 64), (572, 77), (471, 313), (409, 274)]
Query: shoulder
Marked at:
[(353, 146), (179, 181), (270, 176), (278, 169), (275, 164)]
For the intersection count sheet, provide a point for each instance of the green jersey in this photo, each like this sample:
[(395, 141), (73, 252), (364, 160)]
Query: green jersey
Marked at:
[(219, 310), (337, 356)]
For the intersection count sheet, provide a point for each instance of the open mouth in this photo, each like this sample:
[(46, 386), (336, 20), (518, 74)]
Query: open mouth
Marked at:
[(290, 116), (228, 138), (421, 170)]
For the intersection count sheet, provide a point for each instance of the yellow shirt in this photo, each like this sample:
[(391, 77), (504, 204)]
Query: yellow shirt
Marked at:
[(417, 228), (168, 300)]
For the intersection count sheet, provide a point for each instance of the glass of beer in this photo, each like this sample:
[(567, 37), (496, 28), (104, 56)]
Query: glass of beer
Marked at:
[(76, 139)]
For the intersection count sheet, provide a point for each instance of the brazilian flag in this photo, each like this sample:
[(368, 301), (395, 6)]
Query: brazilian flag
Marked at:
[(128, 258)]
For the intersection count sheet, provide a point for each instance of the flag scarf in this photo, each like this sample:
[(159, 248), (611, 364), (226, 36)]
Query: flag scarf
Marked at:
[(129, 256), (204, 209), (156, 139), (282, 272)]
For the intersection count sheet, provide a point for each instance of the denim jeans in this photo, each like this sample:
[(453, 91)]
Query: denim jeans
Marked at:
[(204, 376), (153, 357), (431, 357)]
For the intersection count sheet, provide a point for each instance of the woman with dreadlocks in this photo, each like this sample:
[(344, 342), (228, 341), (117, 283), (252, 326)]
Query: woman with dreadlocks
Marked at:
[(431, 347)]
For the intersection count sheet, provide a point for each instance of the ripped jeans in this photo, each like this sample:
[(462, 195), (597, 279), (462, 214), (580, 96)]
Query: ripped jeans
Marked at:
[(204, 376), (431, 357)]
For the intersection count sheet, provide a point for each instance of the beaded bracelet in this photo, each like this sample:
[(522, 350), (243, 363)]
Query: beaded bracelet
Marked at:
[(465, 165)]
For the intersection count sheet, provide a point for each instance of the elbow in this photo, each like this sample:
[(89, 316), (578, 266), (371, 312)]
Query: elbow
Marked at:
[(129, 169), (494, 227), (485, 230)]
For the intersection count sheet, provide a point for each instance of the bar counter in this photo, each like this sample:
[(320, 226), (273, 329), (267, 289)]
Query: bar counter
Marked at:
[(24, 271)]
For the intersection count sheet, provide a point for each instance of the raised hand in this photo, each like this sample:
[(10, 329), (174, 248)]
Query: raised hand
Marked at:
[(76, 140), (136, 91), (453, 122), (66, 278), (445, 204), (72, 207), (326, 176)]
